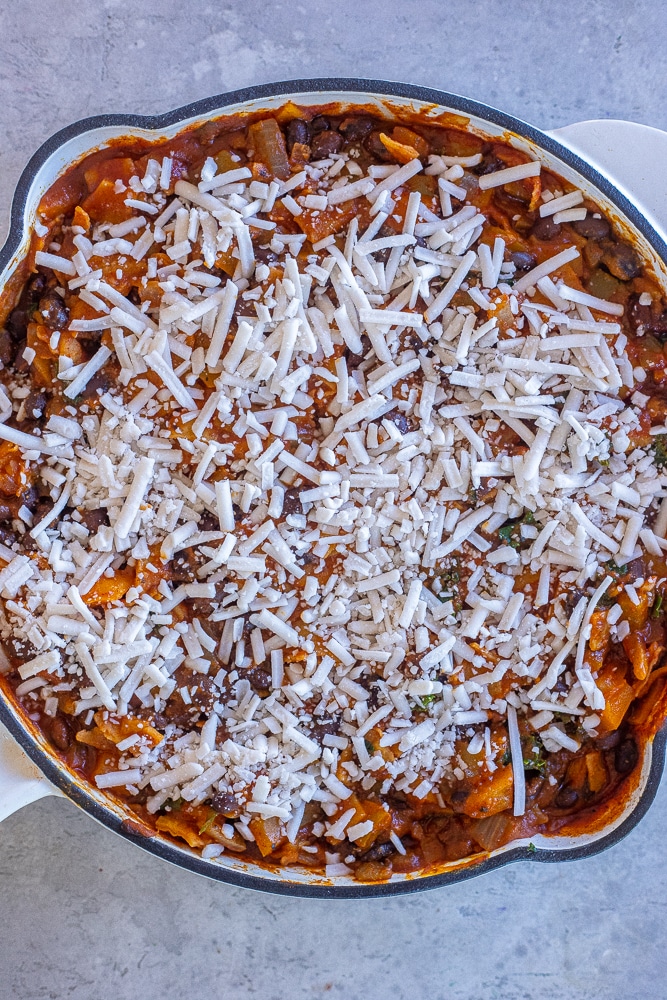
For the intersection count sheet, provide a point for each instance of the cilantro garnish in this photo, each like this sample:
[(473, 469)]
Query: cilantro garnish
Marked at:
[(659, 449), (209, 822), (510, 532)]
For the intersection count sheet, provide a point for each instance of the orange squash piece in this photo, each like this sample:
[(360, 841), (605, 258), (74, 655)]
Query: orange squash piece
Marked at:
[(597, 771), (269, 145), (491, 795), (409, 138), (111, 588), (400, 152), (179, 826), (618, 697), (269, 834)]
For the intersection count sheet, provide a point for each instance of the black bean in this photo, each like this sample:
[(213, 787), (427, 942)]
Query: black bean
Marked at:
[(203, 691), (296, 131), (354, 360), (201, 608), (546, 229), (21, 648), (610, 740), (658, 325), (320, 123), (324, 727), (637, 314), (181, 568), (30, 498), (22, 314), (378, 852), (644, 316), (20, 365), (489, 164), (7, 537), (523, 261), (626, 756), (18, 322), (324, 144), (41, 508), (209, 522), (566, 798), (98, 384), (94, 519), (90, 342), (227, 804), (571, 599), (622, 261), (259, 679), (373, 143), (60, 733), (35, 287), (400, 421), (54, 312), (133, 827), (291, 501), (265, 255), (6, 347), (81, 757), (592, 228), (355, 129), (34, 404), (373, 698)]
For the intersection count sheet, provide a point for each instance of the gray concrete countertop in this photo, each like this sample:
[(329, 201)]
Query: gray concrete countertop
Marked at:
[(83, 914)]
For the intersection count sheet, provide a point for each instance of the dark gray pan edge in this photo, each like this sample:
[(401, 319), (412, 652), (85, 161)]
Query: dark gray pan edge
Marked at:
[(46, 763)]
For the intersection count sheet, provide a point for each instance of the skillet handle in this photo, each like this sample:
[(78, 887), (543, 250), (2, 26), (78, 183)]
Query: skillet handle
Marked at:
[(21, 781), (630, 155)]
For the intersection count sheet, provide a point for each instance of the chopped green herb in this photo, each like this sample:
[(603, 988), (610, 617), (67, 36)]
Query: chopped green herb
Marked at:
[(614, 568), (427, 699), (510, 532), (531, 848), (657, 606), (449, 579), (209, 822), (533, 754), (369, 746), (506, 758), (174, 806), (506, 535), (659, 449)]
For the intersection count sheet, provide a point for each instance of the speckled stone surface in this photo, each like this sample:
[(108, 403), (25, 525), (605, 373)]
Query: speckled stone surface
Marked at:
[(83, 915)]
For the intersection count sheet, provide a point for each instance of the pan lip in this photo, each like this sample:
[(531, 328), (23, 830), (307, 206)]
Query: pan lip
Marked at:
[(78, 793), (334, 85), (48, 764)]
